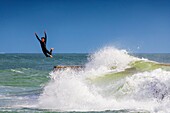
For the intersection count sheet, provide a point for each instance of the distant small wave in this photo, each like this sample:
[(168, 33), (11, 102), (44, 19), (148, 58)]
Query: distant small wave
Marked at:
[(17, 71)]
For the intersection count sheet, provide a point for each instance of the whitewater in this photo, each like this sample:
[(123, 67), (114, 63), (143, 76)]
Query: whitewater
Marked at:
[(111, 80)]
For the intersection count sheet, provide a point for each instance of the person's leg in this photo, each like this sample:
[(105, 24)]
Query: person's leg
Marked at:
[(51, 51), (45, 53)]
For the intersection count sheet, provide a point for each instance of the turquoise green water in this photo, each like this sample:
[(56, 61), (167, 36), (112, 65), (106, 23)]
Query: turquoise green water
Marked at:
[(23, 76)]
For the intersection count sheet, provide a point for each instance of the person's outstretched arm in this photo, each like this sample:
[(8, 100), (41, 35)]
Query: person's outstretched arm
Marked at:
[(37, 37), (45, 36)]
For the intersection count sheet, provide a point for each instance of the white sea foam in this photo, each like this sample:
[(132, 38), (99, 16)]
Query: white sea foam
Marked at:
[(108, 57), (150, 88), (70, 90), (17, 71)]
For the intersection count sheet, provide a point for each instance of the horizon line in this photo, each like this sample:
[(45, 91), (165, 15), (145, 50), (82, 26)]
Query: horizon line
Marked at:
[(84, 53)]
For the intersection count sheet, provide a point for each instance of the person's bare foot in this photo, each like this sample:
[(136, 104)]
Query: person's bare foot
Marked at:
[(52, 48), (51, 56)]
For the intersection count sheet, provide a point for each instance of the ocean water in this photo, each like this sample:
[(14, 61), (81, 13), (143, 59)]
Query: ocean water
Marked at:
[(28, 82)]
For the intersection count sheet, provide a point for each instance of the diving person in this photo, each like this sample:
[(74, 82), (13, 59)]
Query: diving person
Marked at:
[(43, 45)]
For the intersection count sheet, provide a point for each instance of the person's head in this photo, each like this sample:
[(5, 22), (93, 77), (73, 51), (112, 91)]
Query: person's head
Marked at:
[(42, 39)]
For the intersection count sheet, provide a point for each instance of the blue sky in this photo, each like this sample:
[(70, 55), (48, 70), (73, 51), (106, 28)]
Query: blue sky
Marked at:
[(82, 26)]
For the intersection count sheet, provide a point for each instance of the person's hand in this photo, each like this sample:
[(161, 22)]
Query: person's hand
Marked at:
[(44, 32)]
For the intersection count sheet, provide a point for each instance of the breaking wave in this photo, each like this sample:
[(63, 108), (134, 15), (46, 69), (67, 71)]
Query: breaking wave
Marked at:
[(109, 81)]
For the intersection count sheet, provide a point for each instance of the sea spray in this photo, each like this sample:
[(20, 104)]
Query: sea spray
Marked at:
[(73, 90), (70, 93), (108, 57)]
